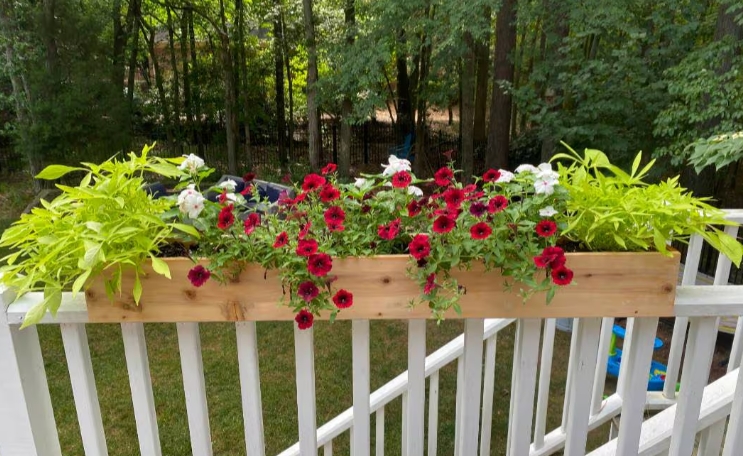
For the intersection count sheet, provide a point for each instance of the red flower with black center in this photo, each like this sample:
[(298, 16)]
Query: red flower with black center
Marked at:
[(414, 208), (336, 227), (198, 275), (443, 224), (480, 230), (299, 198), (452, 213), (319, 264), (389, 231), (401, 179), (308, 290), (329, 168), (247, 190), (419, 247), (454, 197), (281, 240), (305, 230), (491, 175), (306, 247), (430, 284), (334, 214), (478, 209), (497, 204), (312, 182), (551, 257), (343, 299), (226, 218), (329, 193), (247, 177), (443, 177), (251, 222), (546, 228), (304, 319), (562, 275)]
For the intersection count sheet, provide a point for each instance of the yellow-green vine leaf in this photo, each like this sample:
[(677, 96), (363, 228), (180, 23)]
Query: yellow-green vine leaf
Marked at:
[(52, 172), (137, 290), (160, 266)]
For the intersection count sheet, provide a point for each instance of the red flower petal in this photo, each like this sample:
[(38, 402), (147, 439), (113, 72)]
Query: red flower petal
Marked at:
[(562, 275), (546, 228), (343, 299), (304, 319)]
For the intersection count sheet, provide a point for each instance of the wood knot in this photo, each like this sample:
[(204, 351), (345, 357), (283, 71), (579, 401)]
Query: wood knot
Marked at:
[(90, 294), (386, 280), (190, 294), (667, 288)]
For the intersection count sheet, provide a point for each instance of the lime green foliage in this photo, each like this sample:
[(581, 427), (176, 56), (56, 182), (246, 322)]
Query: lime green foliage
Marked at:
[(611, 210), (718, 150), (107, 223)]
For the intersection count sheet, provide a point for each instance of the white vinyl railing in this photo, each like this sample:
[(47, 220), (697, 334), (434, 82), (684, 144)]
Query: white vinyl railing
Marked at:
[(711, 412)]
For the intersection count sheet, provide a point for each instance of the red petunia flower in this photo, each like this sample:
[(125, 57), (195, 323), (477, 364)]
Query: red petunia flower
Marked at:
[(443, 224), (334, 214), (480, 230), (306, 247), (419, 247), (226, 218), (365, 208), (305, 230), (389, 231), (343, 299), (336, 227), (247, 177), (308, 290), (452, 213), (478, 209), (491, 175), (319, 264), (546, 228), (551, 257), (247, 190), (299, 198), (198, 275), (312, 182), (414, 208), (304, 319), (430, 284), (222, 198), (401, 179), (251, 222), (562, 275), (454, 197), (286, 178), (497, 204), (329, 193), (281, 240), (443, 177), (329, 168)]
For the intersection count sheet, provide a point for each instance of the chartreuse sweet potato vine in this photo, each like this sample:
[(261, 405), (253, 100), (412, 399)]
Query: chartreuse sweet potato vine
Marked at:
[(609, 209), (107, 223)]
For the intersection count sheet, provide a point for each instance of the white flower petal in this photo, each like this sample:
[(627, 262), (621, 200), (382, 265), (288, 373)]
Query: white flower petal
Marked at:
[(505, 176), (547, 211), (228, 185), (360, 182), (413, 190), (192, 163), (527, 168)]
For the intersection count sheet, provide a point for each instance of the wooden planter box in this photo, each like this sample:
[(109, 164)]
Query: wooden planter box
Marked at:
[(605, 285)]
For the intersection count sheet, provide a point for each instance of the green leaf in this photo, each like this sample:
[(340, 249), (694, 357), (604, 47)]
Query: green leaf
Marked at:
[(91, 255), (137, 290), (80, 281), (55, 172), (730, 247), (34, 315), (160, 266), (188, 229)]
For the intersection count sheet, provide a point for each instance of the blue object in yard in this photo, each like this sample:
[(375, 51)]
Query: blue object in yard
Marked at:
[(405, 150), (657, 374)]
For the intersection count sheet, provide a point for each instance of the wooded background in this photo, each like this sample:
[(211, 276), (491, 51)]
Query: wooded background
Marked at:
[(278, 82)]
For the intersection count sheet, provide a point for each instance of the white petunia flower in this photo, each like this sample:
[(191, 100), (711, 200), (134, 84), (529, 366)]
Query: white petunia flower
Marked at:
[(191, 202), (527, 168), (192, 164), (360, 182), (505, 176), (545, 171), (544, 186), (228, 185), (415, 191), (548, 211), (395, 165)]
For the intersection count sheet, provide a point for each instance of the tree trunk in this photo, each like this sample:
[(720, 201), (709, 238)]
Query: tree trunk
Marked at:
[(279, 76), (50, 44), (187, 102), (243, 83), (312, 108), (198, 112), (133, 52), (159, 83), (404, 102), (344, 155), (175, 85), (482, 54), (230, 101), (287, 61), (421, 105), (556, 30), (500, 108), (467, 114)]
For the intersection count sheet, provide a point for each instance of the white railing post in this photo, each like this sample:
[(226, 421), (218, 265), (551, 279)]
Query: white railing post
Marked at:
[(599, 380), (416, 387), (194, 386), (487, 395), (734, 437), (433, 413), (360, 432), (250, 386), (523, 384), (304, 350), (27, 426), (473, 336), (545, 372)]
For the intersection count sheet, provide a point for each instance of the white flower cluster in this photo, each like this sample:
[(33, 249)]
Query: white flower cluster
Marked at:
[(546, 178), (191, 202), (395, 165), (192, 163)]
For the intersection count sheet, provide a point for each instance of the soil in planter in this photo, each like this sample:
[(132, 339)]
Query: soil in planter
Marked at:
[(175, 250)]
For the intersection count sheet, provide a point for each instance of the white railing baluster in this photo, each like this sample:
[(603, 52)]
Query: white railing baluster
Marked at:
[(487, 395), (77, 352), (599, 380), (192, 369), (734, 437), (627, 346), (524, 379), (137, 363), (458, 406), (379, 439), (569, 378), (736, 352), (702, 337), (545, 372), (404, 436), (304, 351), (416, 387), (433, 413), (250, 386), (27, 426), (582, 378), (327, 449), (636, 360), (473, 335), (361, 440), (691, 268)]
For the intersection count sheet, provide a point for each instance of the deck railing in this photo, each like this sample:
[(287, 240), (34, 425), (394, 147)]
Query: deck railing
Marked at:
[(28, 427)]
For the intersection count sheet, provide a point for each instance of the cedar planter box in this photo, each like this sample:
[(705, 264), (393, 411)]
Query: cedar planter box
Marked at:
[(605, 285)]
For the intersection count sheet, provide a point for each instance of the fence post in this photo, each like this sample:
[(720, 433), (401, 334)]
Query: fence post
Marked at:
[(335, 143), (27, 426), (366, 143)]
